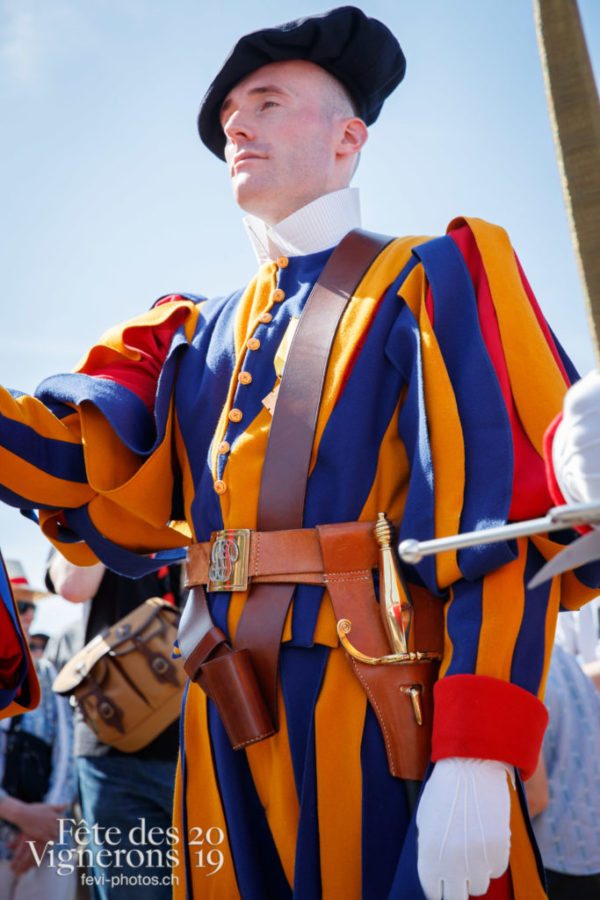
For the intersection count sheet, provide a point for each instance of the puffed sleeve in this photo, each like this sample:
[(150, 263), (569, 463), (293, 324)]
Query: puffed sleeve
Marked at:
[(91, 450), (487, 377)]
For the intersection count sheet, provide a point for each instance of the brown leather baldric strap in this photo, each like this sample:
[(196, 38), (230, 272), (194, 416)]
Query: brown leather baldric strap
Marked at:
[(229, 676), (287, 458)]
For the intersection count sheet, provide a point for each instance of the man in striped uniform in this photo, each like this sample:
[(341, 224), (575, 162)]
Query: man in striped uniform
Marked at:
[(441, 380)]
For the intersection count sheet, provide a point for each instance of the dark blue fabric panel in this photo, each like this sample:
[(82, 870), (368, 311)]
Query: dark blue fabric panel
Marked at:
[(58, 458), (406, 884), (385, 816), (125, 411), (404, 349), (464, 625), (528, 656), (257, 866), (302, 673), (484, 420), (121, 561)]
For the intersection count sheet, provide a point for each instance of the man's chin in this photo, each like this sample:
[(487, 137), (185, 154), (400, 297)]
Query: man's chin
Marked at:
[(252, 200)]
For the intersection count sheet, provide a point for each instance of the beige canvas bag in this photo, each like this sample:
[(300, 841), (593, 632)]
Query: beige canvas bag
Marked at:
[(125, 681)]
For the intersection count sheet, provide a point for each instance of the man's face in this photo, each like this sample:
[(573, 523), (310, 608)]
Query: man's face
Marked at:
[(282, 131), (26, 613)]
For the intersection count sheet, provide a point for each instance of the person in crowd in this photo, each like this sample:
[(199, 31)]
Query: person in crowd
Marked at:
[(564, 792), (269, 428), (117, 789), (38, 641), (579, 633), (29, 824)]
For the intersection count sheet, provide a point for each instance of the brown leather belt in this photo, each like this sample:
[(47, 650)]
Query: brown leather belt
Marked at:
[(291, 556), (340, 558)]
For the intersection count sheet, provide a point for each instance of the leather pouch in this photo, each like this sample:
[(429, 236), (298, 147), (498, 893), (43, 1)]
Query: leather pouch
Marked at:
[(230, 682)]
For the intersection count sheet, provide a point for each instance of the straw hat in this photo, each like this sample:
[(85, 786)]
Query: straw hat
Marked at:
[(20, 585)]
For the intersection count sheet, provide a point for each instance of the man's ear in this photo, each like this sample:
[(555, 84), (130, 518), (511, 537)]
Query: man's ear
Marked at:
[(354, 136)]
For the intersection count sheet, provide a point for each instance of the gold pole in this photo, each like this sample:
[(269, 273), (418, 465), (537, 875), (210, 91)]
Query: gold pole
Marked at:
[(575, 116)]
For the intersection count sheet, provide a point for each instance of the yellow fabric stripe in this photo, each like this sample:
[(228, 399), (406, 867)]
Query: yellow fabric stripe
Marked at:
[(503, 604), (445, 431), (448, 649), (390, 484), (108, 462), (339, 723), (123, 484), (77, 553), (131, 532), (523, 868), (188, 489), (38, 417), (574, 594), (179, 888), (255, 300), (32, 483), (204, 809), (239, 505), (522, 339), (273, 775)]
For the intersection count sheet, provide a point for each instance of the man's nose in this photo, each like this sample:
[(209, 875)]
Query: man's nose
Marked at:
[(237, 127)]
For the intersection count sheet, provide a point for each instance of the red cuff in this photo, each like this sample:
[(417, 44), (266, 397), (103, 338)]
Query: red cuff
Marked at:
[(486, 718)]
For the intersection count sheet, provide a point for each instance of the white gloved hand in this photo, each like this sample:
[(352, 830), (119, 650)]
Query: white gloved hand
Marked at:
[(576, 443), (463, 822)]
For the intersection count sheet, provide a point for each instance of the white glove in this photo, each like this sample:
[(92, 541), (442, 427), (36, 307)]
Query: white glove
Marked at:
[(576, 444), (463, 822)]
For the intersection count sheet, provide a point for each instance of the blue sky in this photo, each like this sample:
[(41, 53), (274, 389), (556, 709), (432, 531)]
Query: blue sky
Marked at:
[(109, 200)]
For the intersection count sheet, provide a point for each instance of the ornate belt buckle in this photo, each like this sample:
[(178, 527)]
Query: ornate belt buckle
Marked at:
[(228, 569)]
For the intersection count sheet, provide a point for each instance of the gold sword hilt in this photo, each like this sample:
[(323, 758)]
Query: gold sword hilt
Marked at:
[(396, 607)]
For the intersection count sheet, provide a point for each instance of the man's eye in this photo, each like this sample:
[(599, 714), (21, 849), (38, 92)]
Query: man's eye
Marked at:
[(266, 104)]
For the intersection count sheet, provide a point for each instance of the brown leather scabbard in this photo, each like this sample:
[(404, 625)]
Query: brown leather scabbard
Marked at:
[(400, 692)]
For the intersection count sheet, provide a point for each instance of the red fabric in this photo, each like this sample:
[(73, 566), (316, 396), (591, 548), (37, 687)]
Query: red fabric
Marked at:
[(530, 496), (152, 342), (11, 651), (555, 491), (500, 888), (486, 718)]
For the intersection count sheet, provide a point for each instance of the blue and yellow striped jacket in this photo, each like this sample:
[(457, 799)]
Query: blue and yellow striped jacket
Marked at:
[(442, 379)]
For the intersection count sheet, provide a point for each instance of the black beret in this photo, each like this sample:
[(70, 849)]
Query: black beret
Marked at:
[(361, 52)]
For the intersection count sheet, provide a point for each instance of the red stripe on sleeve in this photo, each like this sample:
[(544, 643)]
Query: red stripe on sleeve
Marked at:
[(530, 495)]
